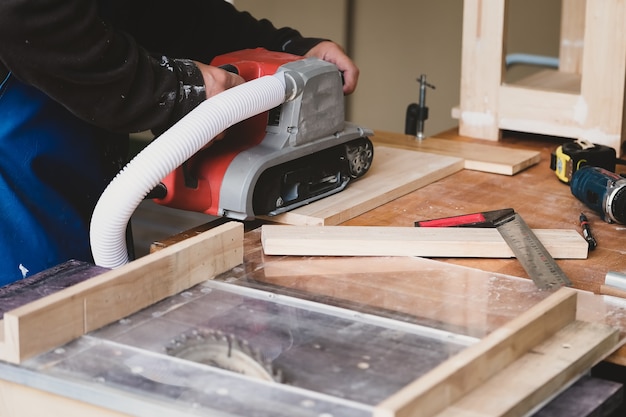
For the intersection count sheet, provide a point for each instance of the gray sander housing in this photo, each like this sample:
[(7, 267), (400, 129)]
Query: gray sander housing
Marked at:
[(311, 121)]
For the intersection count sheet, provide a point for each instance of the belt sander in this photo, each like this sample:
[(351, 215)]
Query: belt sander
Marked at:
[(292, 155)]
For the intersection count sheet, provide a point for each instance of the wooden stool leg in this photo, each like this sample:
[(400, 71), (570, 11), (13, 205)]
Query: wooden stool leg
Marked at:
[(572, 36), (482, 67), (604, 72)]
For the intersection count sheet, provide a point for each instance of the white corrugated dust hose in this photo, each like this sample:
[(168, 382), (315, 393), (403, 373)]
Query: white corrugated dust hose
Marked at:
[(170, 150)]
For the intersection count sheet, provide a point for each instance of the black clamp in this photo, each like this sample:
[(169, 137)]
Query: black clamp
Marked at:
[(417, 113)]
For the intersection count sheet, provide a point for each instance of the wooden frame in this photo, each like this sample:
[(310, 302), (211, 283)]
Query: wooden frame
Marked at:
[(61, 317), (583, 99), (521, 364)]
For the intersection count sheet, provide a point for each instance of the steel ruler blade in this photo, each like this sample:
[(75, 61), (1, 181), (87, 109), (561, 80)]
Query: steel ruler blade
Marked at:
[(534, 257)]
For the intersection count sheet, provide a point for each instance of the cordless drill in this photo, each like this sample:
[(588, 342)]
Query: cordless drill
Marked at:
[(601, 190)]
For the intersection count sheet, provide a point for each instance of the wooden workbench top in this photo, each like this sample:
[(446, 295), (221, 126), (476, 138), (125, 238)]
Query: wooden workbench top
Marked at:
[(535, 193)]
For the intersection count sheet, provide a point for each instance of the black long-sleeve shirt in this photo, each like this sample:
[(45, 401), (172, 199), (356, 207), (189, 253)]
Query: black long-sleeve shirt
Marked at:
[(124, 65)]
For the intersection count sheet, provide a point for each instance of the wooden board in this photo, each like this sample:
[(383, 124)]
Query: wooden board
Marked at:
[(394, 173), (476, 156), (409, 241), (63, 316), (538, 374), (547, 329)]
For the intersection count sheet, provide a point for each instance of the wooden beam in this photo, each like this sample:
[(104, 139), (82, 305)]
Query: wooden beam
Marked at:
[(476, 156), (539, 111), (61, 317), (409, 241), (547, 327)]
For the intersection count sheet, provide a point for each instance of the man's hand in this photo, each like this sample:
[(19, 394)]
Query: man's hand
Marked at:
[(333, 53), (217, 80)]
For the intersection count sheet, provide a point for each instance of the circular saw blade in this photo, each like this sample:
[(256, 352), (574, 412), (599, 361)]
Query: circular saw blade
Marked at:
[(224, 351)]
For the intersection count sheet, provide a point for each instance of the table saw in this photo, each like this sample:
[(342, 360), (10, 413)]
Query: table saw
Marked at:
[(339, 332), (329, 354)]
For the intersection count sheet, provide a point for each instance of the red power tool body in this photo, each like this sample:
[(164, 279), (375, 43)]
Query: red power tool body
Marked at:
[(295, 143), (196, 185)]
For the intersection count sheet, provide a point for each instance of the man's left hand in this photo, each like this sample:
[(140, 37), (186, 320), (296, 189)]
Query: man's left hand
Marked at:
[(333, 53)]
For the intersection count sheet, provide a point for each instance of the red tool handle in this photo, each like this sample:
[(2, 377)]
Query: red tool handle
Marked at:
[(453, 221), (482, 219)]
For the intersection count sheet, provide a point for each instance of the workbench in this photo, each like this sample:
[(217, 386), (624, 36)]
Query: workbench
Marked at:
[(463, 299), (541, 199)]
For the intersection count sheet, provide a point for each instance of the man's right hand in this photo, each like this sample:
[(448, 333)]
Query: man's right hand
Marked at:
[(217, 80)]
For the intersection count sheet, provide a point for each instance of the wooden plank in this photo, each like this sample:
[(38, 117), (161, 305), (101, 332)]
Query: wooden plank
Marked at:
[(539, 374), (551, 80), (470, 368), (394, 173), (61, 317), (409, 241), (476, 156)]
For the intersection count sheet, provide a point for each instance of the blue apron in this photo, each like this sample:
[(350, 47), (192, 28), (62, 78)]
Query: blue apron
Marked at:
[(51, 175)]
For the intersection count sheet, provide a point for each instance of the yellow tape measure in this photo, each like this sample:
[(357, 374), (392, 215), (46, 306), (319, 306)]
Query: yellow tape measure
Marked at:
[(570, 156)]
